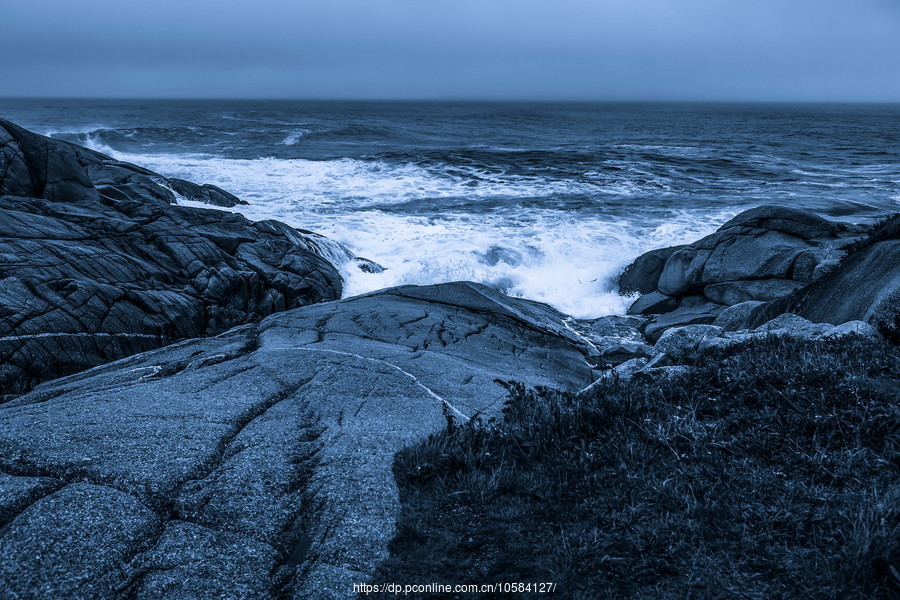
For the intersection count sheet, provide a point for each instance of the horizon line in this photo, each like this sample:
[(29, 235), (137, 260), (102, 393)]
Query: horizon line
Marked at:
[(461, 100)]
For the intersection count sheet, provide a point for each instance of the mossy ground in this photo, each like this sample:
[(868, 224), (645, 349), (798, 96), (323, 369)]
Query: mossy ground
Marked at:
[(772, 470)]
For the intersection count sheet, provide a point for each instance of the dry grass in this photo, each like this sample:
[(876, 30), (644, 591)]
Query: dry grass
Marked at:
[(770, 471)]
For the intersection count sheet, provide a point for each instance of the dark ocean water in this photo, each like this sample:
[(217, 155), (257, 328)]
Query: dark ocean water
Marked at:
[(546, 201)]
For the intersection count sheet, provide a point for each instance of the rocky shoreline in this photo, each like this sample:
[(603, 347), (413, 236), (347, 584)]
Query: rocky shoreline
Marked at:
[(191, 412)]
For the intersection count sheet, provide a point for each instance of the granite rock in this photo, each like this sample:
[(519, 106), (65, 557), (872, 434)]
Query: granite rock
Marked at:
[(257, 464), (97, 263)]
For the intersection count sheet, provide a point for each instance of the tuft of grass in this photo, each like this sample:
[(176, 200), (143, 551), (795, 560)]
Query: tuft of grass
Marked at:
[(886, 228), (771, 470)]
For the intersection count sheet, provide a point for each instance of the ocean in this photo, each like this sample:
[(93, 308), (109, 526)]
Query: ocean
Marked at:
[(544, 201)]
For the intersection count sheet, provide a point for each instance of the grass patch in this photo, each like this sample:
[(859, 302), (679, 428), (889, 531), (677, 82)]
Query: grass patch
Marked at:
[(886, 228), (772, 470)]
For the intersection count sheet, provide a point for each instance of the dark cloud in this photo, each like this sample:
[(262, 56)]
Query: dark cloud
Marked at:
[(528, 49)]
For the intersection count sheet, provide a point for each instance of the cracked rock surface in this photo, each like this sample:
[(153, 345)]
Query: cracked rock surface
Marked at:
[(98, 263), (256, 464)]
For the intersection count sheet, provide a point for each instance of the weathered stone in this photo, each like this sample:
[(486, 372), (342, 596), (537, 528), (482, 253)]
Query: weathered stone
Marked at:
[(717, 343), (667, 371), (660, 359), (767, 242), (864, 287), (653, 303), (614, 338), (615, 353), (735, 317), (97, 263), (642, 275), (693, 310), (617, 325), (73, 543), (679, 342), (629, 368), (793, 325), (805, 265), (851, 328), (736, 292), (258, 463), (622, 372), (683, 272), (794, 222)]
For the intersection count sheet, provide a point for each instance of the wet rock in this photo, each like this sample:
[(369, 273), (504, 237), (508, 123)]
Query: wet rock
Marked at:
[(653, 303), (693, 310), (642, 275), (367, 266), (97, 263), (863, 287), (206, 193)]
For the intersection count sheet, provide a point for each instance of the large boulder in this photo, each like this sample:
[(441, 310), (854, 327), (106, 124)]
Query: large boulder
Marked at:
[(760, 255), (865, 286), (763, 243), (97, 263), (642, 275), (257, 464)]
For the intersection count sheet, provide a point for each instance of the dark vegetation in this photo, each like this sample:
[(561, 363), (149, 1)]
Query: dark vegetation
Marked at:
[(771, 470), (886, 228)]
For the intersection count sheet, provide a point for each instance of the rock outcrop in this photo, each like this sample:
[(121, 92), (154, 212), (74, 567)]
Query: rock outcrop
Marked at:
[(678, 345), (256, 464), (206, 193), (642, 276), (760, 255), (97, 262), (863, 287)]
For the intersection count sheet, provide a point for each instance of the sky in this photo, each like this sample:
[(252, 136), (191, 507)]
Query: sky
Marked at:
[(619, 50)]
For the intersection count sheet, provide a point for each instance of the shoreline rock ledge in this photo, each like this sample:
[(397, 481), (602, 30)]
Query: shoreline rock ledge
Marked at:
[(257, 464), (253, 461), (97, 262), (768, 261)]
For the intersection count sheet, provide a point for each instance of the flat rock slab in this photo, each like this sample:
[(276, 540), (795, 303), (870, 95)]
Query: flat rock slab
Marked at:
[(257, 464)]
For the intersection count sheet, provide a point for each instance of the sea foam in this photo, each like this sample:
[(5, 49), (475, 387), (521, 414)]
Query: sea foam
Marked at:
[(531, 250)]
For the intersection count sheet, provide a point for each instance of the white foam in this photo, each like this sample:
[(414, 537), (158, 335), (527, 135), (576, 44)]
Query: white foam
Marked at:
[(554, 256), (83, 130), (294, 137)]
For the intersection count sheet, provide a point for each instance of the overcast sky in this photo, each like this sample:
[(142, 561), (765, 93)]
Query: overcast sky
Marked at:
[(798, 50)]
